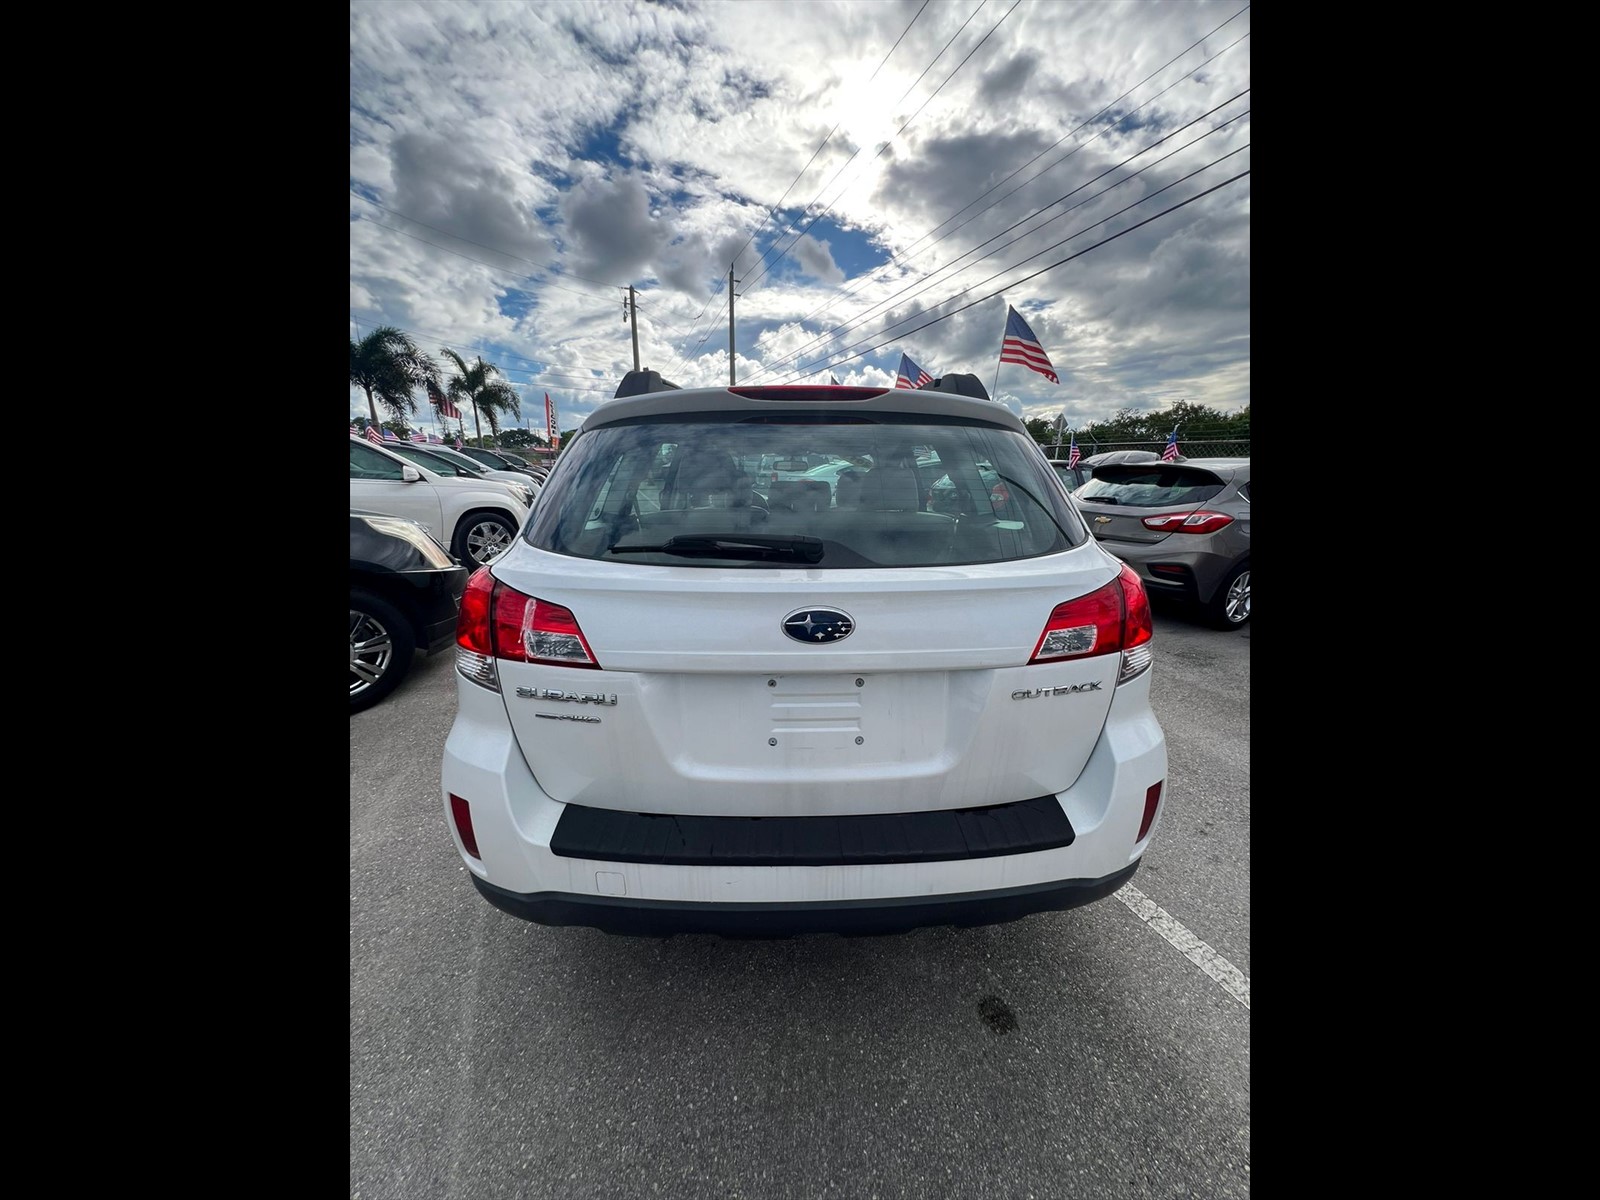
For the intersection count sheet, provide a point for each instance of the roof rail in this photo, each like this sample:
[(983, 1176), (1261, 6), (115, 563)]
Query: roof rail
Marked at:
[(636, 383), (960, 385)]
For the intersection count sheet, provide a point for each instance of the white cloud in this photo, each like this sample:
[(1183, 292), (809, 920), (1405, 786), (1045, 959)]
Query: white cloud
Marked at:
[(516, 166)]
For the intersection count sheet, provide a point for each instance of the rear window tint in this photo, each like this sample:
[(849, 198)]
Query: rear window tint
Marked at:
[(1155, 486), (815, 493)]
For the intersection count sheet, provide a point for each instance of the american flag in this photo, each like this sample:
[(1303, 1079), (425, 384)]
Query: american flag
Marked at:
[(1021, 347), (388, 436), (418, 436), (435, 440), (458, 441), (354, 432), (1072, 452), (442, 402), (911, 375), (373, 435), (1171, 452)]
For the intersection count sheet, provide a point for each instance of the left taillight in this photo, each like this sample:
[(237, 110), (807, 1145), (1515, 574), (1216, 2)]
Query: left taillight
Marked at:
[(1112, 619), (497, 621)]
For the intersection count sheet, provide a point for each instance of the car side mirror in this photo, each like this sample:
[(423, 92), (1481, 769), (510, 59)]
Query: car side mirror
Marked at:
[(409, 474)]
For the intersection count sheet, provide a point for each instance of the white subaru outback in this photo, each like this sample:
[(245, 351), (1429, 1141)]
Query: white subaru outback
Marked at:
[(695, 697)]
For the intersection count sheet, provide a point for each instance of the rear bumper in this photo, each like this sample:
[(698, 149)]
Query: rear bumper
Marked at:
[(663, 918), (554, 863), (1191, 575)]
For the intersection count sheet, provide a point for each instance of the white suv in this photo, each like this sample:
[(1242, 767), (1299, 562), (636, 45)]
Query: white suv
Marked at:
[(477, 519), (687, 704)]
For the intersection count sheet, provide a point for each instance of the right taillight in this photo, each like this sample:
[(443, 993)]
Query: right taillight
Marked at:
[(497, 621), (1112, 619), (1200, 521)]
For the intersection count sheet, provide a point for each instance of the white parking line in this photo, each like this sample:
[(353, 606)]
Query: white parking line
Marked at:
[(1233, 980)]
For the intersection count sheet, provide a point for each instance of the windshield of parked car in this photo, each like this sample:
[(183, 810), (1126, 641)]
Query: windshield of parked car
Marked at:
[(468, 466), (423, 459), (824, 492)]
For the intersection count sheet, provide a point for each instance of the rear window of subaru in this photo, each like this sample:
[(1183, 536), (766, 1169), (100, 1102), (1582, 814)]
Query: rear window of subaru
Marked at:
[(707, 491)]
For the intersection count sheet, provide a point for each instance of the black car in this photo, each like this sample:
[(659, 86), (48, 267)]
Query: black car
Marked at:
[(405, 592)]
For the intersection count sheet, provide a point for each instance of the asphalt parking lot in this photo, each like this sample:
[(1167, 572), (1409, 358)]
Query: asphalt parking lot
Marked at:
[(1099, 1052)]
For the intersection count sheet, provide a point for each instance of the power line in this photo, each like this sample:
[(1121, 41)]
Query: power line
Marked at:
[(1042, 270), (767, 267), (906, 253), (684, 358), (1062, 242), (778, 207), (917, 287)]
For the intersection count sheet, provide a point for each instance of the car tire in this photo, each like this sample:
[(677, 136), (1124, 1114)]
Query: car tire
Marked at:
[(482, 537), (1230, 607), (382, 646)]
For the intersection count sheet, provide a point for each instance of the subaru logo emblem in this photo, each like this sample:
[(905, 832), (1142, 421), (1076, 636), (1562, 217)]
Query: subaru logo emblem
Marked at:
[(818, 625)]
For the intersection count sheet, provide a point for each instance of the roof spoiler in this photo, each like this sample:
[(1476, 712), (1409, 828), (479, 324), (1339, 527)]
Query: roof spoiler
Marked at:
[(637, 383), (959, 385)]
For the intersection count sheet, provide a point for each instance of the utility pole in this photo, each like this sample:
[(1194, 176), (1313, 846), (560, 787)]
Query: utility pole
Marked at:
[(731, 282), (633, 310)]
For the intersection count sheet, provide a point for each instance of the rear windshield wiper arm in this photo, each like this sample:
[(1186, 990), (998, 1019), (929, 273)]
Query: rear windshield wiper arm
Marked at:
[(733, 545)]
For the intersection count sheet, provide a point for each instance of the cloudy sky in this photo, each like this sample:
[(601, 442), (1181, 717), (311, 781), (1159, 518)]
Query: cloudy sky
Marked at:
[(882, 176)]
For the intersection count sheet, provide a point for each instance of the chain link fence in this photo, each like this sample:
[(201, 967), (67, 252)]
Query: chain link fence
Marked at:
[(1196, 448)]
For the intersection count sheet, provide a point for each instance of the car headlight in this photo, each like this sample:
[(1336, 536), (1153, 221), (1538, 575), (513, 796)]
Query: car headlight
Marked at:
[(417, 534)]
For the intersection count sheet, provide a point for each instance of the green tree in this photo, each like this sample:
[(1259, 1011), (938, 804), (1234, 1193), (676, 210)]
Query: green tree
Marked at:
[(521, 439), (481, 386), (388, 367)]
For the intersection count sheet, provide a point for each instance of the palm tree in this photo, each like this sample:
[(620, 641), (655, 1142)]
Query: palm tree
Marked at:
[(388, 367), (488, 395)]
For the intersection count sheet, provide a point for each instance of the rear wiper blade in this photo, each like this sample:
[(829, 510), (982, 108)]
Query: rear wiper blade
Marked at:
[(733, 545)]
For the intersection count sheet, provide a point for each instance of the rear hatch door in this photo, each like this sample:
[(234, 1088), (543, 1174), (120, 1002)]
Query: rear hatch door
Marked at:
[(727, 691), (1117, 500)]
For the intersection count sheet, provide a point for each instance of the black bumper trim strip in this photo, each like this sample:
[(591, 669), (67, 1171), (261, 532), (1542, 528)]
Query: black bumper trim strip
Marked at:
[(941, 835)]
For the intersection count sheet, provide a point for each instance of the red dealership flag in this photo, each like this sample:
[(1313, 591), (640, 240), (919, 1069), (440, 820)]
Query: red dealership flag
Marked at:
[(1021, 347)]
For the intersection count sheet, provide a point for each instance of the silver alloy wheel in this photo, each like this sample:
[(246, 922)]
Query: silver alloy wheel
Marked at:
[(486, 541), (371, 652), (1237, 606)]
